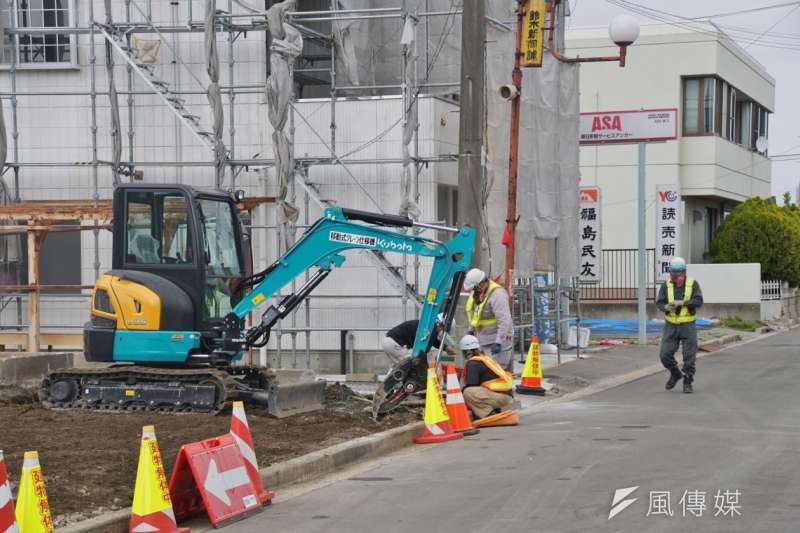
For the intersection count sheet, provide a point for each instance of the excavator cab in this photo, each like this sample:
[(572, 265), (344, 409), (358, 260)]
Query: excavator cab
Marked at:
[(177, 256)]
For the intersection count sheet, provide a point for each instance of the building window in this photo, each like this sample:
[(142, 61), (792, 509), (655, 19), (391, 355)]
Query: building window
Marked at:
[(36, 48), (59, 260), (701, 106), (713, 107)]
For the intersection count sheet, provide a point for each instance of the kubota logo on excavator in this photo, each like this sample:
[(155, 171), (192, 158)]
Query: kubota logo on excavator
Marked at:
[(372, 242)]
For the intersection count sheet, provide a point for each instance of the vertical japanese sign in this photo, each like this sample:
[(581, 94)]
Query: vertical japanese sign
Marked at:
[(591, 261), (668, 226), (532, 36)]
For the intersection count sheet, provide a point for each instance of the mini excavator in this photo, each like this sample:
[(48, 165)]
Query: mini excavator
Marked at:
[(169, 319)]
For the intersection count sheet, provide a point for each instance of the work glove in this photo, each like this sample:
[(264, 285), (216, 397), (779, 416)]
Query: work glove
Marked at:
[(496, 348), (669, 308)]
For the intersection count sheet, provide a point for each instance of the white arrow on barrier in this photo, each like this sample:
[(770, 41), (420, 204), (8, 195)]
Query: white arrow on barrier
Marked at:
[(217, 483)]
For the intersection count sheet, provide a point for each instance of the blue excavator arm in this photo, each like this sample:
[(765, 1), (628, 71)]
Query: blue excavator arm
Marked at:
[(321, 247)]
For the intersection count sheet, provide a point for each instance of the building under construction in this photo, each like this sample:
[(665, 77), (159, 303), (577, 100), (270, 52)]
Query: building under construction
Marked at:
[(302, 104)]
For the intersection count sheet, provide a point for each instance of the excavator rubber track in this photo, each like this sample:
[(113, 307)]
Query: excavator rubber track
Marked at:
[(139, 388)]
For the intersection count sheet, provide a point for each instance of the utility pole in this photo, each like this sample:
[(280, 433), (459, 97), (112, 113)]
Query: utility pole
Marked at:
[(471, 126)]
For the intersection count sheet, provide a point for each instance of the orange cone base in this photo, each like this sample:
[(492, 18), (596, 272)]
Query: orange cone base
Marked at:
[(506, 418), (433, 439), (469, 432), (266, 497), (536, 391), (157, 522)]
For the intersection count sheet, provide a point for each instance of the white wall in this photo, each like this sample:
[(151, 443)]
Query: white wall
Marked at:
[(728, 283)]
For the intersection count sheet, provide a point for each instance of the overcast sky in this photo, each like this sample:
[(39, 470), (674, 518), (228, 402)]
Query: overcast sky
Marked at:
[(782, 64)]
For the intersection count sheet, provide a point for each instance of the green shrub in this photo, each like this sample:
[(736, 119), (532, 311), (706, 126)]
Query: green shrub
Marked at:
[(758, 231)]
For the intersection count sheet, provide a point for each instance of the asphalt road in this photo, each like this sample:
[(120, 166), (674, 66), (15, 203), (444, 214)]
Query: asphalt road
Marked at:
[(558, 471)]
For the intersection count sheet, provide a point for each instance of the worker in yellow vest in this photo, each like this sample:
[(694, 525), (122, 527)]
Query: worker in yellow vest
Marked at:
[(679, 298), (489, 317), (487, 386)]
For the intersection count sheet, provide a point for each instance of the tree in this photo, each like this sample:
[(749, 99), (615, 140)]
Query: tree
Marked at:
[(787, 199), (758, 231)]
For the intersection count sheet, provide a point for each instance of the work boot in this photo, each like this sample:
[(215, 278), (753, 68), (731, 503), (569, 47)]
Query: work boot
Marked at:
[(674, 378), (687, 386)]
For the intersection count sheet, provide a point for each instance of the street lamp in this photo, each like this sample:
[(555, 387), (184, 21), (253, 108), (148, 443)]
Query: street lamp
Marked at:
[(623, 30)]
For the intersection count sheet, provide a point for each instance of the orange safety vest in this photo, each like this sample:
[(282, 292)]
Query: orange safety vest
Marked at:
[(503, 382), (474, 317)]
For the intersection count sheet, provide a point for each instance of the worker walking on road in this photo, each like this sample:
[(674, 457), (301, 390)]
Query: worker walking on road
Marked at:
[(679, 298), (487, 387), (399, 340), (489, 317)]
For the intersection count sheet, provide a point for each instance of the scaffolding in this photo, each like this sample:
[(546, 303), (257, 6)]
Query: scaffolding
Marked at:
[(321, 28)]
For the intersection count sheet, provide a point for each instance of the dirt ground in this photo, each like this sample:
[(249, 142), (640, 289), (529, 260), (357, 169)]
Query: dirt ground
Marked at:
[(89, 459)]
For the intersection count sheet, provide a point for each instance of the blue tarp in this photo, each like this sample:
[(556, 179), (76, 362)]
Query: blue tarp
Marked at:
[(626, 328)]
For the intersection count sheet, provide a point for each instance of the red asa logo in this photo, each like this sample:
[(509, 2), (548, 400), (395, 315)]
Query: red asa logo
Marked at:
[(607, 122)]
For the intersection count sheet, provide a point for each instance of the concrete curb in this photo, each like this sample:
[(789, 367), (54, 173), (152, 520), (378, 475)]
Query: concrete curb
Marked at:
[(714, 345), (304, 468)]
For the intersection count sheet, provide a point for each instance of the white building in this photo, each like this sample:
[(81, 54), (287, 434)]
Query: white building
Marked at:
[(724, 98)]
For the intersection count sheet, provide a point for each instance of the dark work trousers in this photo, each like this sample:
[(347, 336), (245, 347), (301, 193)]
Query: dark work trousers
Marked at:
[(686, 334)]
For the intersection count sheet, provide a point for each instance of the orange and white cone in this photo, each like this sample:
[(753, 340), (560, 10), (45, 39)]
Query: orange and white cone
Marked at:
[(33, 511), (241, 434), (456, 407), (532, 373), (151, 511), (437, 423), (8, 522)]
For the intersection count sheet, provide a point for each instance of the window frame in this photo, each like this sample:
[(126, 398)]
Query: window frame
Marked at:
[(14, 46), (728, 120), (190, 228), (716, 120)]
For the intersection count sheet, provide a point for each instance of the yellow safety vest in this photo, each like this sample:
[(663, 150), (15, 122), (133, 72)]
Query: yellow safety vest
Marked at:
[(503, 382), (684, 317), (474, 318)]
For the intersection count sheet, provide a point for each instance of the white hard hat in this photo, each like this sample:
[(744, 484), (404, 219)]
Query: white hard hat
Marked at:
[(469, 342), (473, 277), (677, 264)]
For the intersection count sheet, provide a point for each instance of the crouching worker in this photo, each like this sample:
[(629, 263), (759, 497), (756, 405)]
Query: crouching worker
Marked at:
[(487, 388)]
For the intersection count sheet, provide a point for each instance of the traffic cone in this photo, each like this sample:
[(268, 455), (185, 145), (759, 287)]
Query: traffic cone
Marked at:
[(437, 423), (456, 408), (8, 522), (241, 434), (152, 507), (504, 418), (532, 373), (33, 511)]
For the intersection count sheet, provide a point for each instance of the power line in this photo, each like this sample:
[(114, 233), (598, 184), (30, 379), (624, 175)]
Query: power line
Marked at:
[(751, 10), (692, 25), (781, 19)]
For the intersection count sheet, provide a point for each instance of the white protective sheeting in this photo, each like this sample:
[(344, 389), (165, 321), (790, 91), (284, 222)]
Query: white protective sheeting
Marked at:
[(287, 43), (548, 177), (213, 92), (116, 127), (368, 52)]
